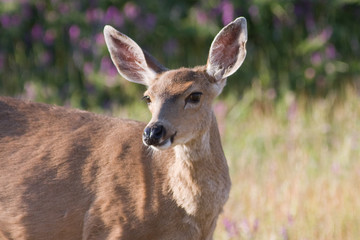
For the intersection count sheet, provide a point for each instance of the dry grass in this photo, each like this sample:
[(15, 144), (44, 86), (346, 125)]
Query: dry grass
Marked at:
[(295, 168)]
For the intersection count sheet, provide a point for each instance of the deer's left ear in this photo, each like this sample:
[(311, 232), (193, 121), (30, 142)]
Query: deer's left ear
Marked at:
[(227, 51)]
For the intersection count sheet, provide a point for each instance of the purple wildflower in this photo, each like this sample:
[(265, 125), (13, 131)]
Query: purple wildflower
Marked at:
[(255, 226), (88, 68), (16, 20), (5, 21), (316, 58), (8, 21), (49, 37), (284, 233), (201, 17), (74, 32), (330, 51), (99, 39), (150, 22), (109, 70), (245, 227), (64, 8), (113, 16), (227, 12), (85, 44), (131, 10), (107, 67), (230, 227), (26, 11), (220, 110), (37, 32), (94, 14)]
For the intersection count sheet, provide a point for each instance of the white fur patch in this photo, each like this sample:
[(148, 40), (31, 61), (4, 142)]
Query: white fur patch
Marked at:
[(163, 146), (185, 188), (185, 191)]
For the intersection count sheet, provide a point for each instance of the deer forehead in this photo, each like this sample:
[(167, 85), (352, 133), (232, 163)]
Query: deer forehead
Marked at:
[(179, 82)]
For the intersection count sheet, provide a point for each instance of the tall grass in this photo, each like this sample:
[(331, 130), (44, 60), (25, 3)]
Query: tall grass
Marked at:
[(295, 167)]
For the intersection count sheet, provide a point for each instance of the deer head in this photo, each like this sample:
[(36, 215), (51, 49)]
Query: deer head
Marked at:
[(180, 100)]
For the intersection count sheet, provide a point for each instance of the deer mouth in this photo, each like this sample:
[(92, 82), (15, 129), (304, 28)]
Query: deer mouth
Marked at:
[(165, 144)]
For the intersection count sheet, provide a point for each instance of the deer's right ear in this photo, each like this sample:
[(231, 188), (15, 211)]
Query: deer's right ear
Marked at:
[(131, 61)]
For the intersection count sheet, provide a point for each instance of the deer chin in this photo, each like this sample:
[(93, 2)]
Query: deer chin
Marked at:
[(165, 144)]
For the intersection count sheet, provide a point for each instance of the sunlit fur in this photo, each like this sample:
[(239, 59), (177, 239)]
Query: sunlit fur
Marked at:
[(70, 174)]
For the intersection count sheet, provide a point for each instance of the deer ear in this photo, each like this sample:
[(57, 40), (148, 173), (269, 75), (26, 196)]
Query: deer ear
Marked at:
[(227, 51), (131, 61)]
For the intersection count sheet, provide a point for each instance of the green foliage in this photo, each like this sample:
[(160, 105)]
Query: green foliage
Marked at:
[(54, 50)]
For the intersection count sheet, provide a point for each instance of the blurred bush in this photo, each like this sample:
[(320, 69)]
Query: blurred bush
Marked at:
[(54, 50)]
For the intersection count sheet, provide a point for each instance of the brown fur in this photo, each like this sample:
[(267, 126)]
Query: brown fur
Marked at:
[(70, 174)]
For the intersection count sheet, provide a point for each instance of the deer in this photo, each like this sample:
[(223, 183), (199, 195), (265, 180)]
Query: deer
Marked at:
[(71, 174)]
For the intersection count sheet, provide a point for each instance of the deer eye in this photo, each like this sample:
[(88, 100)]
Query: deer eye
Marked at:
[(194, 97), (147, 99)]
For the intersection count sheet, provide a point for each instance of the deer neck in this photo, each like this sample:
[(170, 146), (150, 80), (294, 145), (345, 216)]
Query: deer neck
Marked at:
[(199, 177)]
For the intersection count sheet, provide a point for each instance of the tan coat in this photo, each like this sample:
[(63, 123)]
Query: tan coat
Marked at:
[(71, 174)]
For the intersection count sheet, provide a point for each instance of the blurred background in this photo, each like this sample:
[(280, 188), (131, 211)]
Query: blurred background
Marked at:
[(289, 117), (54, 50)]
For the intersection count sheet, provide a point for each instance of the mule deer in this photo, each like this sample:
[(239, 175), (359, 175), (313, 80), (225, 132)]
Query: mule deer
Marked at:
[(71, 174)]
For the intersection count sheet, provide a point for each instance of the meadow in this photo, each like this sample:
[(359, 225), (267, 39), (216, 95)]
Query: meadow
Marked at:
[(294, 165), (295, 168)]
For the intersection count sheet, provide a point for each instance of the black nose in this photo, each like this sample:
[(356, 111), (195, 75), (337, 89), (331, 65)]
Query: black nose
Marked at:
[(153, 134)]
